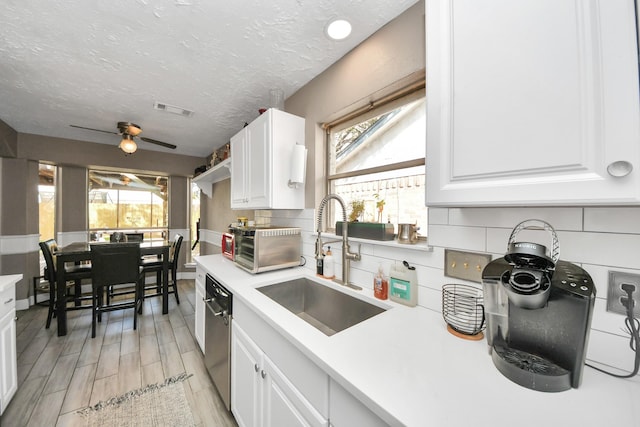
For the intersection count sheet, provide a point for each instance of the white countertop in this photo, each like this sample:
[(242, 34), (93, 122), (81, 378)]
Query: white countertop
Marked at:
[(9, 281), (408, 369)]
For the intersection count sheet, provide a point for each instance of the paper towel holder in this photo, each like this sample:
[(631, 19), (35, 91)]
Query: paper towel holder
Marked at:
[(298, 166)]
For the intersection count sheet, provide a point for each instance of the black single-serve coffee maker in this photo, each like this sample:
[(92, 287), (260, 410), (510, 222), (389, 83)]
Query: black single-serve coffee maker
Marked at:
[(538, 312)]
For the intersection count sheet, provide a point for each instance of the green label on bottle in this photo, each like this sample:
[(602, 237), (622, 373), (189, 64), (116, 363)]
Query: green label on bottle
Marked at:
[(400, 288)]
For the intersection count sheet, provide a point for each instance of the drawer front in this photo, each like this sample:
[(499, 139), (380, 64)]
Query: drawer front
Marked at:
[(200, 275), (7, 300)]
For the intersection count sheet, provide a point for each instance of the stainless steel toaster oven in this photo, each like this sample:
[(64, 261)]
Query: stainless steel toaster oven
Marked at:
[(261, 249)]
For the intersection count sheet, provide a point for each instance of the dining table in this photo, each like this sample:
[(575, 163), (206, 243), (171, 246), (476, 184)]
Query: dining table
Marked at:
[(78, 252)]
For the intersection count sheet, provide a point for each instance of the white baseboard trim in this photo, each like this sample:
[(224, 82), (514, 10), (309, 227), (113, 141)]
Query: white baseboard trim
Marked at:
[(24, 304)]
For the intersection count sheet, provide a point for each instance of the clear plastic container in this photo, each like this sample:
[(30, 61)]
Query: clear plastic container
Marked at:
[(276, 99)]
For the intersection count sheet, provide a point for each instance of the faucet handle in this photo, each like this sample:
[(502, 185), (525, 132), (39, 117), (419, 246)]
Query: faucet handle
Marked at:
[(354, 256)]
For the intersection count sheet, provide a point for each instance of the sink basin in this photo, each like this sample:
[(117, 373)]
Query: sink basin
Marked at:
[(324, 308)]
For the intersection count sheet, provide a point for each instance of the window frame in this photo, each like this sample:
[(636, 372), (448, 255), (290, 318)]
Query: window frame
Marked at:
[(403, 96), (149, 231)]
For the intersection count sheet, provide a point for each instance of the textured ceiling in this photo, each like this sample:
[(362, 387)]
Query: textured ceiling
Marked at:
[(94, 63)]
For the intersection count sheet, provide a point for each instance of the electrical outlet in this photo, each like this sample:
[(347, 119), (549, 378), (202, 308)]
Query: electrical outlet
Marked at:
[(465, 265), (616, 292)]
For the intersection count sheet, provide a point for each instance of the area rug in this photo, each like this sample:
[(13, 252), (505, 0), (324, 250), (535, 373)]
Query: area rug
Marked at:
[(162, 404)]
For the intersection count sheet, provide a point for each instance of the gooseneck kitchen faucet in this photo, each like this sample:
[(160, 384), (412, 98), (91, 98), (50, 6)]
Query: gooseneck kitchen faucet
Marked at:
[(347, 256)]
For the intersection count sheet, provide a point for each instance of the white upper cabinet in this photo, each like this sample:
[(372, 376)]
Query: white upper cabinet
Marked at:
[(261, 156), (532, 103)]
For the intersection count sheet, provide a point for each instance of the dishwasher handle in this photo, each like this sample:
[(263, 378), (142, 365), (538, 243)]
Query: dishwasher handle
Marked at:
[(219, 311)]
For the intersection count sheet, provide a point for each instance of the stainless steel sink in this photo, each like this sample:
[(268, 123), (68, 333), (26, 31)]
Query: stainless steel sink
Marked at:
[(326, 309)]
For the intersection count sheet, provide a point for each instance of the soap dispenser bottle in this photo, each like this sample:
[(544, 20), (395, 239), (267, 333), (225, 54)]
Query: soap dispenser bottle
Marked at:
[(329, 270), (380, 284), (320, 263)]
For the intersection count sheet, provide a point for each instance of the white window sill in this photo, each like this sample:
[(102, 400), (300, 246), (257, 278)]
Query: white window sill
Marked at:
[(421, 245)]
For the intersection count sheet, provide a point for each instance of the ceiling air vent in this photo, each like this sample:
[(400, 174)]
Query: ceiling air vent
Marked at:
[(172, 109)]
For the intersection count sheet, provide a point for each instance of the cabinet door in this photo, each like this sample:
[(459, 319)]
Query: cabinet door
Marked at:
[(283, 404), (246, 365), (8, 359), (239, 169), (259, 162), (348, 411), (199, 312), (532, 103)]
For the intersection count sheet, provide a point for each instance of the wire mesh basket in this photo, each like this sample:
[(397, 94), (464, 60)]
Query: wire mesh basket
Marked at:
[(463, 310)]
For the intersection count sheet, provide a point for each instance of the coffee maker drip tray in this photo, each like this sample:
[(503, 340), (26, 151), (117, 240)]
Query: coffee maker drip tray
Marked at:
[(529, 370)]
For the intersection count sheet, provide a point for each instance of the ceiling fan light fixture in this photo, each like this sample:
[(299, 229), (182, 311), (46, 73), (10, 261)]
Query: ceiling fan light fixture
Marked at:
[(127, 144), (127, 128)]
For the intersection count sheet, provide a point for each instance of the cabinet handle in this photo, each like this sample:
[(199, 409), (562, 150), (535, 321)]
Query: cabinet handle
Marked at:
[(256, 367), (8, 301), (263, 374), (620, 168)]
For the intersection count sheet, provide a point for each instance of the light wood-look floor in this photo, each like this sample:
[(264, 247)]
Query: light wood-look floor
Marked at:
[(59, 375)]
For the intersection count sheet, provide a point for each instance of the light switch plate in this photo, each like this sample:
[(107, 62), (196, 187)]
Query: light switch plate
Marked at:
[(465, 265)]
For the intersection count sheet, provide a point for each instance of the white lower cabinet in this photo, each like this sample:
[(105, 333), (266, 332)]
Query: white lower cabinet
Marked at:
[(348, 411), (200, 309), (261, 395), (8, 360)]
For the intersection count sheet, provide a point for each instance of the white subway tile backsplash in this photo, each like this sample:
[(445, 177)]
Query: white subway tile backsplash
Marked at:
[(431, 299), (616, 250), (612, 350), (612, 220), (439, 216), (606, 321), (559, 218), (455, 237)]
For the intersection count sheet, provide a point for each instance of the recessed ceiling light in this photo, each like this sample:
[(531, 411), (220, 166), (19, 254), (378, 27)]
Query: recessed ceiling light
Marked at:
[(338, 29)]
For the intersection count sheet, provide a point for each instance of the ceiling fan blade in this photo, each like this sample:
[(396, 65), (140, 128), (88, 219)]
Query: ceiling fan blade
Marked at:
[(163, 144), (97, 130)]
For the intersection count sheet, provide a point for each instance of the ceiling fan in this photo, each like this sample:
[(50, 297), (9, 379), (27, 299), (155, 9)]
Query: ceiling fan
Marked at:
[(129, 131)]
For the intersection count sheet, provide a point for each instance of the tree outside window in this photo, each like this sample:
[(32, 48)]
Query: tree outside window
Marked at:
[(376, 163)]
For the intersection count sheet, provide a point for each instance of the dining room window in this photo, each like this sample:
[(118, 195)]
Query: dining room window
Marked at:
[(129, 202), (46, 201), (376, 162)]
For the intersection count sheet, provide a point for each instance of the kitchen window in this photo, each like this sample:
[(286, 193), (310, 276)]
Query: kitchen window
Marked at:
[(376, 162), (127, 202)]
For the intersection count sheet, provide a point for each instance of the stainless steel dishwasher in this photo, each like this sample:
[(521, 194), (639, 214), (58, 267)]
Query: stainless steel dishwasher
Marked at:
[(217, 342)]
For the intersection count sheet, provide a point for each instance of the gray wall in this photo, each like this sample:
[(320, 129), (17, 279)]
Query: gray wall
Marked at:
[(216, 214), (62, 151), (18, 219), (71, 199), (8, 140)]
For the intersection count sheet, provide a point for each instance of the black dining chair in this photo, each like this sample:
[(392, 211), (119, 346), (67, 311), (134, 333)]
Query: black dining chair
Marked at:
[(115, 264), (154, 265), (73, 275)]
